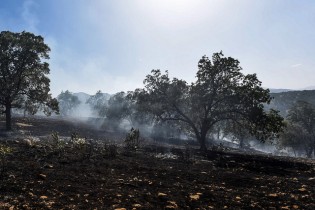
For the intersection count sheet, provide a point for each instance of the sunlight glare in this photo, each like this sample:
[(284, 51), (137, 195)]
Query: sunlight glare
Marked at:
[(173, 12)]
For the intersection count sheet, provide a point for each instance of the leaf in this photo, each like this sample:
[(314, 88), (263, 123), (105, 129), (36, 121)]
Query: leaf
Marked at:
[(238, 198), (162, 194), (194, 197), (274, 195), (42, 176), (136, 205)]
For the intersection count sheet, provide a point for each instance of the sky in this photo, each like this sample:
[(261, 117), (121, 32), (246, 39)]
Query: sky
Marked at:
[(111, 45)]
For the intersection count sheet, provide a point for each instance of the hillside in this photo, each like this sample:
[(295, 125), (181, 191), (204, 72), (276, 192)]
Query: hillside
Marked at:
[(83, 97), (41, 172), (283, 101)]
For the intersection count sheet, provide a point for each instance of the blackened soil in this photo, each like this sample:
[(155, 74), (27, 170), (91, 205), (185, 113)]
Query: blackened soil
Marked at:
[(41, 175)]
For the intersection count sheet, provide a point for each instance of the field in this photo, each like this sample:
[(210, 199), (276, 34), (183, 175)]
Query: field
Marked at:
[(41, 171)]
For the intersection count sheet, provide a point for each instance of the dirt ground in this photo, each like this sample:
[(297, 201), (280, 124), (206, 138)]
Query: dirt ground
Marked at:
[(39, 171)]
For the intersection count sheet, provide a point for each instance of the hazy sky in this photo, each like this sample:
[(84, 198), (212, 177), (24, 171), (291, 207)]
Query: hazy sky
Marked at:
[(111, 45)]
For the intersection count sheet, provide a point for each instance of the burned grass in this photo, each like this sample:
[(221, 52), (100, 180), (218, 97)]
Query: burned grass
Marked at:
[(41, 176)]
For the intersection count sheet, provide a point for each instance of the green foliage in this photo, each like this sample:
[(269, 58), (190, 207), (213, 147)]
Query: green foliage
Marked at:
[(238, 131), (118, 106), (30, 108), (165, 132), (303, 113), (78, 142), (67, 102), (117, 109), (296, 138), (220, 93), (79, 149), (132, 140), (58, 144), (137, 115), (98, 103), (24, 73), (109, 150), (284, 101), (4, 152), (267, 125), (300, 133)]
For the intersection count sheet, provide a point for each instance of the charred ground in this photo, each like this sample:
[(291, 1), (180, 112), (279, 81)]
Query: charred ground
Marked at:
[(102, 174)]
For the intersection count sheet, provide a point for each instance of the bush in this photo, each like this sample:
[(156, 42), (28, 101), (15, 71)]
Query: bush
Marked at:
[(109, 150), (4, 152), (132, 141), (57, 142)]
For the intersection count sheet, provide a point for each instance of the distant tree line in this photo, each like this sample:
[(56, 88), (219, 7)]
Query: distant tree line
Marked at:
[(300, 132), (222, 98), (297, 136), (67, 103), (284, 101), (298, 108)]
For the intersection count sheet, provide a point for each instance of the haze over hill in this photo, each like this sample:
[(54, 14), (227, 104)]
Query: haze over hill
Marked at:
[(280, 90), (275, 90), (283, 100), (83, 97)]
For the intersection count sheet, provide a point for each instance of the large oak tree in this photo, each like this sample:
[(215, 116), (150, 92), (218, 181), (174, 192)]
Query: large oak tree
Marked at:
[(23, 73), (220, 93), (301, 128)]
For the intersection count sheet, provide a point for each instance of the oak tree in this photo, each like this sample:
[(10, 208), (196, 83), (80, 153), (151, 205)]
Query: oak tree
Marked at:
[(301, 129), (24, 73), (220, 93), (117, 109), (67, 102), (98, 102)]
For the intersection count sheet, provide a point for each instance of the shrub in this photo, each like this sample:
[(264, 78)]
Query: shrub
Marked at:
[(109, 150), (132, 140), (58, 143), (4, 152)]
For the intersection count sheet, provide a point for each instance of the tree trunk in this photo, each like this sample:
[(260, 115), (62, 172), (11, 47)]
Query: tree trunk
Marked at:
[(8, 116), (294, 152), (309, 152), (202, 141), (241, 146), (202, 137)]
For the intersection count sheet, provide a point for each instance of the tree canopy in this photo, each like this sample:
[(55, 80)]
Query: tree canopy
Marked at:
[(23, 73), (220, 93), (284, 101), (67, 102), (300, 134), (117, 109), (98, 102)]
